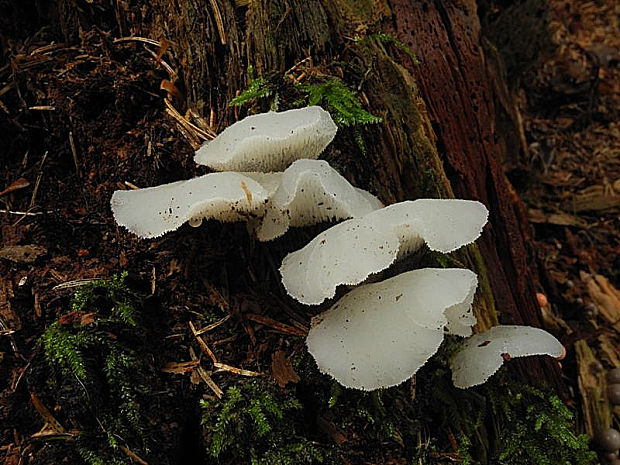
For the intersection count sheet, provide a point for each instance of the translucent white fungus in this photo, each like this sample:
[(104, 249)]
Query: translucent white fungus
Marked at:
[(154, 211), (378, 335), (349, 252), (310, 192), (269, 141), (483, 354)]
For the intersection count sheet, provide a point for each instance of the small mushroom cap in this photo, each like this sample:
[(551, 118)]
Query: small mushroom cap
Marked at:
[(378, 335), (310, 192), (608, 439), (154, 211), (484, 353), (269, 141), (613, 376), (350, 251), (613, 394)]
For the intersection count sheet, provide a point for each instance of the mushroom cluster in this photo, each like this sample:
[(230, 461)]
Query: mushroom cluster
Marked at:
[(307, 192), (377, 335)]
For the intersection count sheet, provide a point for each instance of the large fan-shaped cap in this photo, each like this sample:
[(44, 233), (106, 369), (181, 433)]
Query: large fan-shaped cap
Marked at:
[(154, 211), (352, 250), (378, 335), (269, 141)]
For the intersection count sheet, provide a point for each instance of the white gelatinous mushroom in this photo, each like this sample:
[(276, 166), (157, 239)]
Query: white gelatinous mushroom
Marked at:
[(269, 141), (378, 335), (483, 354), (310, 192), (350, 251), (153, 211)]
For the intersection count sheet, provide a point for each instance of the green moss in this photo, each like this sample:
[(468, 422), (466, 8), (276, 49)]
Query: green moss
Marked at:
[(93, 367), (340, 101), (258, 88), (119, 298), (387, 39), (258, 423), (537, 428), (503, 423)]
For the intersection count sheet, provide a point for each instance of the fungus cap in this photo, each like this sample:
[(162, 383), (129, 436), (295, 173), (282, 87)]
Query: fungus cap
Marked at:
[(269, 141), (378, 335), (484, 353), (310, 192), (349, 252), (153, 211)]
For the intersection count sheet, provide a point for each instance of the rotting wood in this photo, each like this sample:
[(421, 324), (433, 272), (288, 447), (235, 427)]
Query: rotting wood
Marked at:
[(593, 389), (605, 296), (455, 85)]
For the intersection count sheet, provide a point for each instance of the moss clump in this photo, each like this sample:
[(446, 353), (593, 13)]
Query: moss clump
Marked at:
[(258, 88), (505, 424), (257, 423), (97, 376), (387, 39), (537, 428), (340, 101)]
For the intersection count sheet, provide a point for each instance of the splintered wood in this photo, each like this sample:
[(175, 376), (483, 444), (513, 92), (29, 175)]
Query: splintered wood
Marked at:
[(605, 296), (205, 376), (592, 388), (9, 320)]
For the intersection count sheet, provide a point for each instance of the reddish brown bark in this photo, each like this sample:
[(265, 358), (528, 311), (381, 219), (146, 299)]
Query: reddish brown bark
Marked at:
[(457, 88)]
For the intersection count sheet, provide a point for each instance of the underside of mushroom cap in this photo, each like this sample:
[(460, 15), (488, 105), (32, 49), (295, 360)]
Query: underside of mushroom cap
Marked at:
[(310, 192), (378, 335), (484, 353), (153, 211), (353, 250), (269, 141)]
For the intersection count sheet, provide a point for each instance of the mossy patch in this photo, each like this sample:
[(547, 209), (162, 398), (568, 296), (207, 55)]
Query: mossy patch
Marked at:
[(99, 373), (502, 422), (257, 423)]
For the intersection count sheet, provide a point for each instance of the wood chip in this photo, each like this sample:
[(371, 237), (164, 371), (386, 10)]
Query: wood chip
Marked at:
[(7, 314), (205, 377), (180, 367), (76, 316), (15, 185), (238, 371), (276, 325), (595, 202), (22, 253), (45, 414), (609, 351), (132, 455), (558, 218), (247, 192), (592, 388), (37, 306), (282, 369), (172, 89), (203, 345), (605, 296), (212, 325)]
